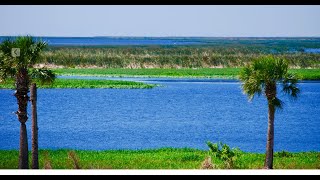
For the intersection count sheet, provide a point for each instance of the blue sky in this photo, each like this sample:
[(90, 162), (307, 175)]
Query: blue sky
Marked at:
[(183, 20)]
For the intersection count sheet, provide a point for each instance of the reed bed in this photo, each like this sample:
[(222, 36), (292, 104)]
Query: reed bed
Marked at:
[(134, 57)]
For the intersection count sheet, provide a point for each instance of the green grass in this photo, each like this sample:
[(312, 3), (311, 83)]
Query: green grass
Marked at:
[(205, 72), (305, 74), (165, 158), (86, 83)]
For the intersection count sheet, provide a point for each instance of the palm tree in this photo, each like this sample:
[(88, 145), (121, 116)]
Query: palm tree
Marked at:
[(16, 66), (262, 76), (46, 76)]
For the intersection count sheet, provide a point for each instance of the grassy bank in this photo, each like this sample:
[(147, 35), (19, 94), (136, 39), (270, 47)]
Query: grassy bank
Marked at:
[(206, 73), (86, 83), (305, 74), (166, 158)]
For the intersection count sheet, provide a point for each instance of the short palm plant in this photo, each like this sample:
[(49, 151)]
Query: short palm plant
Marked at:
[(18, 67), (261, 77)]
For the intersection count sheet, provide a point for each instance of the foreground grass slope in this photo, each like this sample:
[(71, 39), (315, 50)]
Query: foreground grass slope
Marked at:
[(165, 158), (86, 83), (305, 74)]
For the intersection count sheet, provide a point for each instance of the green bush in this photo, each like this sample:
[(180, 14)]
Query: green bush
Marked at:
[(222, 152), (283, 154)]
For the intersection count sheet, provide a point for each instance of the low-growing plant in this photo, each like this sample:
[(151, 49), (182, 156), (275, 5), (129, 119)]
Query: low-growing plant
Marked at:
[(283, 154), (222, 152)]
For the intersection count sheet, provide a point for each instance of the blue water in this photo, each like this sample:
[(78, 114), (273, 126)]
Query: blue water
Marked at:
[(312, 50), (182, 113), (304, 50), (114, 41)]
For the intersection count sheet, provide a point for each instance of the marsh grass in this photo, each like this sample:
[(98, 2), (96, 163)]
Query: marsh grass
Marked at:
[(206, 72), (307, 74), (86, 83), (222, 55), (165, 158), (226, 73)]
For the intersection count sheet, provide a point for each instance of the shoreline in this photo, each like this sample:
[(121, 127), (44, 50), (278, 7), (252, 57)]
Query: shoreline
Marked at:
[(150, 76), (86, 84), (205, 73)]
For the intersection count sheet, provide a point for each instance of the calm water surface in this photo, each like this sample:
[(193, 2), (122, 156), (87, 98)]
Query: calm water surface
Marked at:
[(114, 41), (182, 113)]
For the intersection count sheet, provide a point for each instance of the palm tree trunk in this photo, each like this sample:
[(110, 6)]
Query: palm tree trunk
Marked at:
[(21, 94), (271, 92), (33, 99), (23, 154), (270, 138)]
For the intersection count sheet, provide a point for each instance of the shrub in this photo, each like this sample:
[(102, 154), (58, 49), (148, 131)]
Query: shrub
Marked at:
[(224, 153), (283, 154)]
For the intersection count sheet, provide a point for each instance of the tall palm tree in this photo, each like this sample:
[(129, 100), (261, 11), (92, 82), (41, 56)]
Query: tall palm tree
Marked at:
[(17, 66), (262, 76), (45, 76)]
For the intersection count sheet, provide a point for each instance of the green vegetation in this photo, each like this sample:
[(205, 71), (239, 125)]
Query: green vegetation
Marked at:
[(195, 56), (85, 83), (216, 59), (27, 53), (223, 154), (305, 74), (165, 158), (262, 77), (205, 72), (229, 54)]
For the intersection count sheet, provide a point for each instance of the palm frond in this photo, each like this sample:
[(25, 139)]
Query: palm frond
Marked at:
[(7, 69), (36, 49), (268, 70), (30, 53), (252, 82), (252, 87), (43, 75), (6, 47), (290, 86), (277, 103), (7, 73), (29, 50)]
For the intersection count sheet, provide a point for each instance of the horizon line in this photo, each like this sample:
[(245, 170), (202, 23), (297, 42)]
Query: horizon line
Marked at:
[(166, 36)]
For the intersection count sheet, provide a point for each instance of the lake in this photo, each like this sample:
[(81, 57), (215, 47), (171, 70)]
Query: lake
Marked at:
[(268, 44), (114, 41), (181, 113)]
